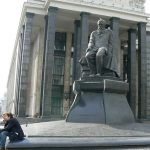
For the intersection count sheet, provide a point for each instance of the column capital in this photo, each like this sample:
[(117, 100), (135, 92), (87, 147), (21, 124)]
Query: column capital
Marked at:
[(52, 9), (141, 24), (29, 15), (114, 19), (132, 30), (84, 13), (77, 23)]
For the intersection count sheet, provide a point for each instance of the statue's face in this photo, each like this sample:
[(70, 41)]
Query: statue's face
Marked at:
[(101, 24)]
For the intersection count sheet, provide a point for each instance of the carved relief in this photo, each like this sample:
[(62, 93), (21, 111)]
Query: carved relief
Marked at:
[(137, 5)]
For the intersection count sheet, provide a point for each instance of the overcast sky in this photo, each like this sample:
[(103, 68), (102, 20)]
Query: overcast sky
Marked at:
[(10, 11)]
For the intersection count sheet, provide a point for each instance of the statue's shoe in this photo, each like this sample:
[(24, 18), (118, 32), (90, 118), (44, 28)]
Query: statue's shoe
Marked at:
[(98, 74), (92, 75)]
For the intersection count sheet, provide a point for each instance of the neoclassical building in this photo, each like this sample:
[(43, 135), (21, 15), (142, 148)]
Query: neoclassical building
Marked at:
[(51, 38)]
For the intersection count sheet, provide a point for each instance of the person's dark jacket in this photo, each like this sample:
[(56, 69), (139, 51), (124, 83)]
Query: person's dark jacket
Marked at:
[(14, 129)]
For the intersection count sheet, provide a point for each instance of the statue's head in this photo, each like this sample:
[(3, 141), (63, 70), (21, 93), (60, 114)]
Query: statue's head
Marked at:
[(101, 24)]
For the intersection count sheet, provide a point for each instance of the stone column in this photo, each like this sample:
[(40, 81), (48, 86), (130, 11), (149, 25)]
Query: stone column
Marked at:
[(26, 54), (19, 62), (148, 72), (49, 61), (84, 32), (76, 53), (114, 25), (67, 74), (142, 75), (42, 85), (132, 69)]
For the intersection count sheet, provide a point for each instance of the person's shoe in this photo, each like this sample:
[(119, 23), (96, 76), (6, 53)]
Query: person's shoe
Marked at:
[(98, 74)]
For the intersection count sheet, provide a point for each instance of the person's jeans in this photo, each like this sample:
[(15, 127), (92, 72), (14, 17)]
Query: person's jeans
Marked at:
[(3, 136)]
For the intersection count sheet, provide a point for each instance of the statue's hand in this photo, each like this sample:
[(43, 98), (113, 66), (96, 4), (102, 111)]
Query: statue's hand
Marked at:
[(88, 49)]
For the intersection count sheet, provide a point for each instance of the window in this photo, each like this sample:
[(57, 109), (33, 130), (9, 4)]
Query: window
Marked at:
[(58, 70), (60, 41)]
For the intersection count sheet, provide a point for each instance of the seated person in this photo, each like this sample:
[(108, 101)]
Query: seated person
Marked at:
[(12, 129)]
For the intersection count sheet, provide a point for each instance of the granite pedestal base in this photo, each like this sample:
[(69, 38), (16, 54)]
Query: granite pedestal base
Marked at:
[(102, 101), (82, 143)]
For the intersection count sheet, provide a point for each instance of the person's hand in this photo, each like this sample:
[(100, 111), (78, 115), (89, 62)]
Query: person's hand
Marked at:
[(4, 121), (1, 120)]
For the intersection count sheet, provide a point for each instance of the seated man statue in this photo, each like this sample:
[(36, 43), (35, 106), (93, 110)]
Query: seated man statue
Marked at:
[(99, 54)]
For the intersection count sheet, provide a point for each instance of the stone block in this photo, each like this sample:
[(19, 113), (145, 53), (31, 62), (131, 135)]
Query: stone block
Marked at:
[(102, 101), (81, 143)]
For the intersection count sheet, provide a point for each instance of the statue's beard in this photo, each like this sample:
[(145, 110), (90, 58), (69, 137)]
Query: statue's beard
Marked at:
[(101, 28)]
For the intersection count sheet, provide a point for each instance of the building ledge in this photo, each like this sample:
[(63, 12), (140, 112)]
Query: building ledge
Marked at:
[(100, 10)]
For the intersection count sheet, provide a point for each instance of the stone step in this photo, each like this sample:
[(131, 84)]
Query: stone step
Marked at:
[(81, 143)]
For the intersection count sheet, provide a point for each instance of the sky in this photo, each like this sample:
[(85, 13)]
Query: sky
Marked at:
[(10, 11)]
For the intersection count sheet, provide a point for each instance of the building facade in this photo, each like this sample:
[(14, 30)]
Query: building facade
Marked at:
[(53, 35)]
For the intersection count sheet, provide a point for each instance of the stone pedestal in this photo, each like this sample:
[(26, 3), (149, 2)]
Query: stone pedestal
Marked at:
[(100, 100)]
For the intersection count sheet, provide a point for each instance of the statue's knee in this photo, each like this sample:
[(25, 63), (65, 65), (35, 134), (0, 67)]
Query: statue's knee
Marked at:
[(100, 54)]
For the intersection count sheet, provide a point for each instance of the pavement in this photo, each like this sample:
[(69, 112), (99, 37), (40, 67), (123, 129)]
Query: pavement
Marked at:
[(52, 135), (63, 128), (45, 127)]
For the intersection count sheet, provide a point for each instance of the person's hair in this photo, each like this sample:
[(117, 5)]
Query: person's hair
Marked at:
[(9, 114)]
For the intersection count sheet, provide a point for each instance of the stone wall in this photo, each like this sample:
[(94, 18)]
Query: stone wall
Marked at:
[(34, 97)]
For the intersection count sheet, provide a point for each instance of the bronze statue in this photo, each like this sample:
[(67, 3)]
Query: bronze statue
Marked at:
[(99, 54)]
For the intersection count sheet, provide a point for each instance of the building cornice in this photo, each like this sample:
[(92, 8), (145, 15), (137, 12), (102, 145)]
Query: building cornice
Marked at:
[(103, 10)]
